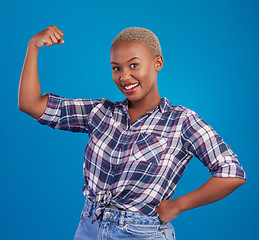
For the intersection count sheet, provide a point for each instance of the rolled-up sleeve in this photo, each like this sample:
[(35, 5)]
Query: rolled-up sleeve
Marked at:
[(67, 114), (201, 141)]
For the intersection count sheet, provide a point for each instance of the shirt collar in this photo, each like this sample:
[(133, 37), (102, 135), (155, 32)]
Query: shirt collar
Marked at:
[(163, 106)]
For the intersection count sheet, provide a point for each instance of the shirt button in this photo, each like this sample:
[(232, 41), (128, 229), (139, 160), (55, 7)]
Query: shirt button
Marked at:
[(149, 114), (107, 214), (106, 189), (119, 145)]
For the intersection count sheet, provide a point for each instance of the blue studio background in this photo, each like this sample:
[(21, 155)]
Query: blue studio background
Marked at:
[(211, 54)]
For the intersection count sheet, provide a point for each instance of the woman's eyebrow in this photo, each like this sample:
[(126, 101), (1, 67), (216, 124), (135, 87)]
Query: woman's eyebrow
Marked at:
[(127, 61)]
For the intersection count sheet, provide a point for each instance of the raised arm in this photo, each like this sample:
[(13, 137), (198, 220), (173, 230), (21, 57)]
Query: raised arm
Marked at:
[(30, 99)]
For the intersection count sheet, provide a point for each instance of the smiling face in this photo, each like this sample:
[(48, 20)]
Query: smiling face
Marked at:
[(134, 71)]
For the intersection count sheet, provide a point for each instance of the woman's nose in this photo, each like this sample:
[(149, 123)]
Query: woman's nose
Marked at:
[(125, 75)]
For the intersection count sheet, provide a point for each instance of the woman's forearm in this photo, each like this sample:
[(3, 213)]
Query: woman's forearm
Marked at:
[(30, 99), (213, 190), (29, 95)]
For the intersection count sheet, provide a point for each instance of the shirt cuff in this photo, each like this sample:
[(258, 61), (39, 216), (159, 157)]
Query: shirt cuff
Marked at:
[(230, 168), (47, 107)]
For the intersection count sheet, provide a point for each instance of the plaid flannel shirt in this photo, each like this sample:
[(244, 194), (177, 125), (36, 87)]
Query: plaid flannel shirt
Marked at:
[(135, 166)]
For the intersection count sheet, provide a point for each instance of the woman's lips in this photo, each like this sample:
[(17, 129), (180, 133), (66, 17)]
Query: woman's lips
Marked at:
[(130, 87)]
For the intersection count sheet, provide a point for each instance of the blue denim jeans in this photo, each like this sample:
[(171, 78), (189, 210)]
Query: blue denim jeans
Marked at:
[(119, 225)]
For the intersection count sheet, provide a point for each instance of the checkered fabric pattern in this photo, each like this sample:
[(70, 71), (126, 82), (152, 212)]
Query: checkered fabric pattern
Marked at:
[(134, 167)]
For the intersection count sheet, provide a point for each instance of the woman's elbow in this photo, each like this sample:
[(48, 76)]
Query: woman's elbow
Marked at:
[(241, 181), (22, 106), (33, 108)]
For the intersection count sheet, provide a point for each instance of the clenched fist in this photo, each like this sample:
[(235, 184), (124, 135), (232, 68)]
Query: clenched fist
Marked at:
[(168, 210), (47, 37)]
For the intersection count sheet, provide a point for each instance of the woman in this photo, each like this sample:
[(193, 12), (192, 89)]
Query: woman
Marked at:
[(138, 148)]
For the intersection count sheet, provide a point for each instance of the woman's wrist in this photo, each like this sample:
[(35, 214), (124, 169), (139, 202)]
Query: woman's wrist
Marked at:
[(175, 205), (31, 46)]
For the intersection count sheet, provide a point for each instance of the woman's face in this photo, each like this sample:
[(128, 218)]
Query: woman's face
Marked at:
[(134, 70)]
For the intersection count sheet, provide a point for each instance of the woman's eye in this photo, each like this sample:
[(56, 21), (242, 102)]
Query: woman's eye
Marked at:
[(116, 69), (133, 65)]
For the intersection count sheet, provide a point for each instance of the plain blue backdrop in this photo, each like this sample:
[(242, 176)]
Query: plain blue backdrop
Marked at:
[(210, 50)]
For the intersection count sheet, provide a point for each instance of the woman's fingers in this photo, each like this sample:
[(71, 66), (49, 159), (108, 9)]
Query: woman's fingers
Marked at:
[(58, 35), (61, 41), (58, 30)]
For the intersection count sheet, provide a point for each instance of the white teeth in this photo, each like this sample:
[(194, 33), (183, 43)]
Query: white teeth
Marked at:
[(131, 86)]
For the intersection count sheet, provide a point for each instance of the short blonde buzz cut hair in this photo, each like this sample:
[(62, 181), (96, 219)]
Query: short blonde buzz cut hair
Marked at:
[(140, 34)]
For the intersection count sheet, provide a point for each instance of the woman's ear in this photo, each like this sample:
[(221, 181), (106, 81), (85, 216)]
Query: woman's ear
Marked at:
[(159, 63)]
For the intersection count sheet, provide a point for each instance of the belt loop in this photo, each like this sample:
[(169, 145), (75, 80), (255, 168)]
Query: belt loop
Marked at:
[(121, 221), (162, 225)]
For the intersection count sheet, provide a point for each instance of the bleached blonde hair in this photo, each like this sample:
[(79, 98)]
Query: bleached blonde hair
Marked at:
[(140, 34)]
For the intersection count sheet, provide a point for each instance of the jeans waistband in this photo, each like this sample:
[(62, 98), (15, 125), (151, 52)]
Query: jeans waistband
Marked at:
[(129, 217), (123, 217)]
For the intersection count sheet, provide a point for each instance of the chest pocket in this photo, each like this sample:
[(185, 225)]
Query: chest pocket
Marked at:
[(149, 148)]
